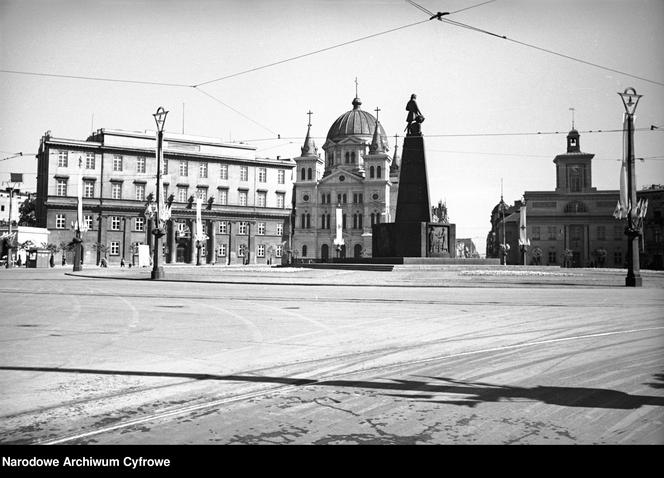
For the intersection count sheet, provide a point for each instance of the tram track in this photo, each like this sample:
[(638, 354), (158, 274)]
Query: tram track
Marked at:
[(271, 380)]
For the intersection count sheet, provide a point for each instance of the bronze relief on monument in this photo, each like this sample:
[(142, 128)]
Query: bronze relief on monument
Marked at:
[(438, 240)]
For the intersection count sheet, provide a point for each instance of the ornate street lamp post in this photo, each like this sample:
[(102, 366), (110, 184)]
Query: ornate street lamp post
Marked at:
[(158, 229), (633, 230)]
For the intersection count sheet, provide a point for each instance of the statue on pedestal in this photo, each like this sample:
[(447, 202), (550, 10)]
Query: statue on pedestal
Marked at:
[(414, 117)]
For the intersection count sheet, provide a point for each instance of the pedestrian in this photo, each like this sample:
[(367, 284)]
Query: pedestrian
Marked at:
[(122, 262), (52, 261)]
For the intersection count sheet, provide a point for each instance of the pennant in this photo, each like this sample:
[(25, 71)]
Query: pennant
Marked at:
[(523, 233), (339, 240), (80, 226), (622, 208), (198, 233)]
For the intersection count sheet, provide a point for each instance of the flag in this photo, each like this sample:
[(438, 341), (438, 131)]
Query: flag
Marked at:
[(79, 215), (198, 234), (523, 235), (622, 208), (163, 209), (339, 240)]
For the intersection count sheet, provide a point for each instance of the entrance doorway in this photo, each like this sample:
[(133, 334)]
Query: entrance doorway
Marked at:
[(325, 252), (181, 253), (357, 251)]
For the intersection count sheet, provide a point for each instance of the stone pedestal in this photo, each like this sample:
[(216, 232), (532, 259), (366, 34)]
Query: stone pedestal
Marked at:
[(412, 234), (410, 239)]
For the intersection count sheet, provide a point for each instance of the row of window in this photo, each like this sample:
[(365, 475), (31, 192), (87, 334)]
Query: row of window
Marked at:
[(358, 198), (182, 193), (325, 220), (222, 250), (183, 167), (575, 233), (139, 225), (306, 174)]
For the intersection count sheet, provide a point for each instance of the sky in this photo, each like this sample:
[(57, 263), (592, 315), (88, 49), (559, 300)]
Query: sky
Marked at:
[(479, 93)]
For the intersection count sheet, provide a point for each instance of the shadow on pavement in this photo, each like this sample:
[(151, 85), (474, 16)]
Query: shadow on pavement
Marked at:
[(475, 392), (659, 381)]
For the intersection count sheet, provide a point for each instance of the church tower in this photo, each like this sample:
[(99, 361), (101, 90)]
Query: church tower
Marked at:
[(352, 189)]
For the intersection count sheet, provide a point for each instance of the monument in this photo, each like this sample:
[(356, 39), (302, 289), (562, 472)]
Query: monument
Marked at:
[(413, 232)]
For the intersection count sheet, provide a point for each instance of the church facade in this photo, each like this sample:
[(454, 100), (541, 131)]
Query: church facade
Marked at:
[(352, 185)]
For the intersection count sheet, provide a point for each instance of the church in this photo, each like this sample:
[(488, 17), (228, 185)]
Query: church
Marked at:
[(352, 185)]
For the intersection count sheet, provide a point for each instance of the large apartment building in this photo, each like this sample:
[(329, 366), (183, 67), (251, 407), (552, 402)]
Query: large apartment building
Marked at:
[(246, 199)]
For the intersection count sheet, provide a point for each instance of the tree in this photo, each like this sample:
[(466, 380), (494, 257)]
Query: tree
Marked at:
[(53, 248), (64, 246), (27, 213), (102, 249)]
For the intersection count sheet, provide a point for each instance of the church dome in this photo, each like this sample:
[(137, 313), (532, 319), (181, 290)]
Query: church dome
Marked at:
[(355, 122)]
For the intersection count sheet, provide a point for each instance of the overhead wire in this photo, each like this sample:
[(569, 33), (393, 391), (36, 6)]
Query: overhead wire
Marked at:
[(529, 45), (96, 78), (235, 110), (297, 57), (460, 135)]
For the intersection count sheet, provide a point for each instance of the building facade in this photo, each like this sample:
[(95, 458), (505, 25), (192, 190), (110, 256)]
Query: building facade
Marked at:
[(356, 175), (572, 225), (652, 242), (246, 199)]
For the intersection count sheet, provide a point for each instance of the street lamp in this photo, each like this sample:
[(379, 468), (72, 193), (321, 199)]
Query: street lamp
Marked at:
[(158, 227), (633, 230), (78, 226)]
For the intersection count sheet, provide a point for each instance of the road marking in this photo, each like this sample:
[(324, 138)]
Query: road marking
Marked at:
[(255, 394)]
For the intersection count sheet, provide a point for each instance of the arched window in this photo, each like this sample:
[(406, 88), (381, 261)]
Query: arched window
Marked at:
[(373, 219), (328, 198), (359, 221), (309, 173), (303, 174), (328, 221), (325, 252), (352, 157), (357, 251), (378, 172), (303, 221), (322, 221), (354, 221), (371, 172), (304, 250), (344, 198), (308, 221), (343, 221), (347, 156), (377, 218)]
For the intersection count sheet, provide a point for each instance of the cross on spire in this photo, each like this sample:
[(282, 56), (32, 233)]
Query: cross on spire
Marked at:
[(377, 110), (310, 113), (572, 110)]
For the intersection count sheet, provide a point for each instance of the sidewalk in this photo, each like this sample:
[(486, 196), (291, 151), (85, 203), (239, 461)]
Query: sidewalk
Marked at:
[(401, 276)]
